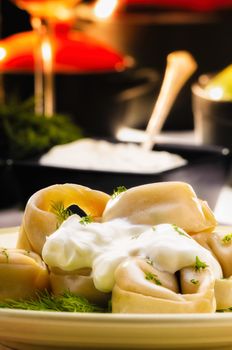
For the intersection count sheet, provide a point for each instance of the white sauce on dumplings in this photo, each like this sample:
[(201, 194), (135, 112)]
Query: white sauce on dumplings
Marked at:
[(103, 246), (102, 155)]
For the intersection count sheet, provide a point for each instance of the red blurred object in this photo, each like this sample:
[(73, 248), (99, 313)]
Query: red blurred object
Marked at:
[(73, 52), (201, 5)]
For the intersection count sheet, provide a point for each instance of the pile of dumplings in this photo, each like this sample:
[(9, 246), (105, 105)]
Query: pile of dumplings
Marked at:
[(154, 248)]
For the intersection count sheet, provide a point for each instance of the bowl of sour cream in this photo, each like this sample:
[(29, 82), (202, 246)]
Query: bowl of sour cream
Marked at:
[(106, 165)]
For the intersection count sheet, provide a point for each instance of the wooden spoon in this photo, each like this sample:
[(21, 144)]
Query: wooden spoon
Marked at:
[(180, 66)]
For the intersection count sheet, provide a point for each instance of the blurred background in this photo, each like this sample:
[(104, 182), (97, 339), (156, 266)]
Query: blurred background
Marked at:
[(129, 51)]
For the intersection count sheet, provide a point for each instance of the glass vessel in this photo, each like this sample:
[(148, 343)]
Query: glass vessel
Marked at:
[(44, 14)]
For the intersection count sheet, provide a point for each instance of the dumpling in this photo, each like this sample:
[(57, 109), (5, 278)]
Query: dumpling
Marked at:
[(22, 274), (79, 282), (98, 249), (40, 218), (219, 243), (142, 288), (82, 257), (165, 202)]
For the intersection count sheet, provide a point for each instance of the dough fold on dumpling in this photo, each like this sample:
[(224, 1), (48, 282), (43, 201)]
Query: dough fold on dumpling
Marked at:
[(164, 202), (141, 288), (39, 219), (79, 282), (219, 243), (22, 274)]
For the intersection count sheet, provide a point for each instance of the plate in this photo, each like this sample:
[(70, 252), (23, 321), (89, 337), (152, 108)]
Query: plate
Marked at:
[(33, 330)]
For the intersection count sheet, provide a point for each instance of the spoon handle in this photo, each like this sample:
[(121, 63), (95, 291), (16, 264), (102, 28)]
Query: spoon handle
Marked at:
[(180, 66)]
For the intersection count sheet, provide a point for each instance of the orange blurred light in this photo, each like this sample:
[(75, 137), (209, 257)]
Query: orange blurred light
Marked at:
[(46, 51), (2, 53), (105, 8), (70, 51)]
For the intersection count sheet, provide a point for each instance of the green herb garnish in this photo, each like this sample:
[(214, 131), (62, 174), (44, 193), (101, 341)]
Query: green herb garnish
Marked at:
[(193, 281), (227, 238), (149, 261), (44, 301), (24, 134), (118, 190), (4, 252), (153, 278), (135, 236), (181, 232), (60, 211), (153, 228), (86, 220), (199, 264)]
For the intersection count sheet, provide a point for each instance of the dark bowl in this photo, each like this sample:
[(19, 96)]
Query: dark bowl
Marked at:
[(206, 171), (99, 102), (10, 193), (213, 123)]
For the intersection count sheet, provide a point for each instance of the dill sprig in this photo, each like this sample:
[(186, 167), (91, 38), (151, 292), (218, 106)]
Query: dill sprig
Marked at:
[(153, 278), (45, 301), (60, 211), (227, 238), (193, 281), (117, 191), (179, 230), (5, 253), (135, 236), (86, 220), (199, 264), (149, 261), (23, 135)]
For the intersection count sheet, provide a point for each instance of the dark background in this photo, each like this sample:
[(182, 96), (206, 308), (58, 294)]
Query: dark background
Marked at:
[(149, 35), (13, 20)]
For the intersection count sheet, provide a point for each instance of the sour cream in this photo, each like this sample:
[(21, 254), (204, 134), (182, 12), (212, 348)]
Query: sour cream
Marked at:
[(102, 155), (103, 246)]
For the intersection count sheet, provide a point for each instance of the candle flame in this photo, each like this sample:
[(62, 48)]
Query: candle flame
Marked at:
[(46, 51), (2, 53), (105, 8)]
